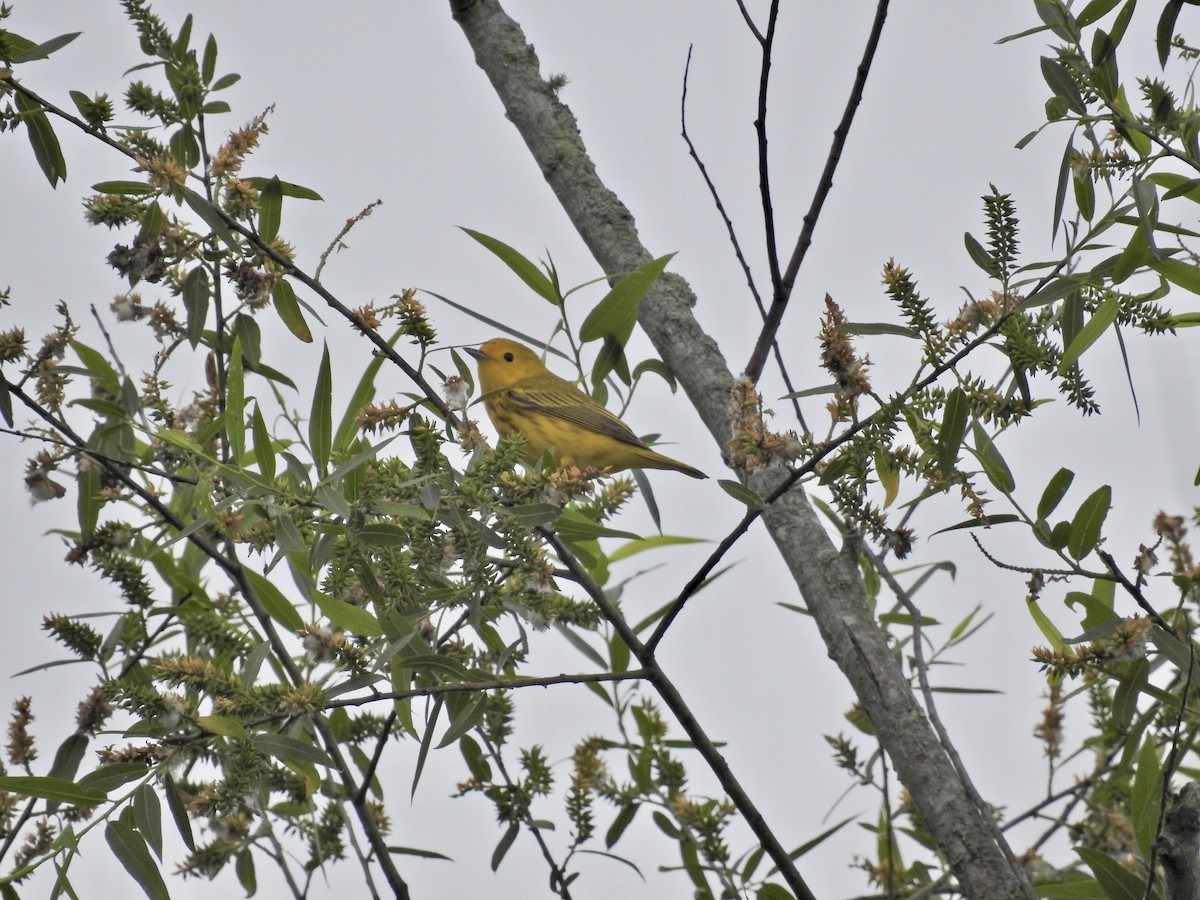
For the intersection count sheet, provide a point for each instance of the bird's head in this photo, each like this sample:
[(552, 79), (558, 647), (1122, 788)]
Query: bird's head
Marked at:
[(503, 362)]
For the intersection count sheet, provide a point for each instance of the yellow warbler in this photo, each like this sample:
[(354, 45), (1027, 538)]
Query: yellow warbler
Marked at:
[(521, 394)]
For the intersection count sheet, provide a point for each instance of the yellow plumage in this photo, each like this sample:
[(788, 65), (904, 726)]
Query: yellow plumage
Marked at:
[(522, 395)]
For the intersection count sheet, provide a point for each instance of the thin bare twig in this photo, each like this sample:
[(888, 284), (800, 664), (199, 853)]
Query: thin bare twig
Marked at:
[(783, 285), (737, 248)]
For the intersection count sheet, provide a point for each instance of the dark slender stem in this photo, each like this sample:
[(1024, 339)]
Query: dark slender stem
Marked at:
[(733, 240), (687, 720), (764, 174), (783, 290)]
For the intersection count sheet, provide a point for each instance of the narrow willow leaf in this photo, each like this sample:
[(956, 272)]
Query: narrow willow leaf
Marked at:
[(889, 477), (179, 812), (264, 450), (742, 494), (1088, 522), (277, 606), (212, 217), (347, 616), (44, 49), (290, 749), (1102, 318), (288, 309), (1049, 629), (320, 422), (1145, 799), (147, 813), (616, 314), (58, 790), (1117, 882), (1062, 84), (954, 428), (1054, 492), (235, 404), (1094, 11), (994, 466), (981, 522), (506, 841), (529, 273), (42, 139), (270, 209), (287, 188), (130, 850)]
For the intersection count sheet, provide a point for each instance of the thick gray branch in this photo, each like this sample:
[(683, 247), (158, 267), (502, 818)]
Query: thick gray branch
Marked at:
[(828, 579), (1178, 846)]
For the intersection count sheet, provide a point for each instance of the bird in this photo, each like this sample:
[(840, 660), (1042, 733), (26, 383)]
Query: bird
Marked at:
[(522, 395)]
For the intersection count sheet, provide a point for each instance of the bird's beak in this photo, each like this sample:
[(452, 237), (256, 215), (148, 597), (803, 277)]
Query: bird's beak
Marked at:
[(476, 352)]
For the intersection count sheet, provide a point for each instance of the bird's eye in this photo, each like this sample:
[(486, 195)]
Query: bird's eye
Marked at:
[(508, 357)]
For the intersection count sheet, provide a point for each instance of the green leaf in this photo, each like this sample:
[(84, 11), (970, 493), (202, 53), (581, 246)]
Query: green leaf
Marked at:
[(1145, 800), (954, 428), (1186, 275), (147, 812), (623, 820), (874, 328), (288, 309), (44, 49), (68, 757), (772, 891), (464, 720), (290, 749), (993, 463), (208, 67), (980, 256), (650, 543), (225, 81), (529, 273), (889, 477), (742, 494), (1117, 882), (277, 606), (264, 450), (270, 210), (224, 726), (109, 777), (1094, 11), (212, 218), (347, 616), (1165, 32), (179, 812), (6, 407), (130, 850), (235, 404), (1048, 628), (42, 138), (1054, 492), (320, 423), (506, 841), (244, 868), (615, 315), (1088, 521), (1062, 84), (981, 522), (287, 188), (1102, 318), (139, 188), (57, 790)]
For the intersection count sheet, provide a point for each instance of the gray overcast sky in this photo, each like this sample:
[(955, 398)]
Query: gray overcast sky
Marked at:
[(384, 101)]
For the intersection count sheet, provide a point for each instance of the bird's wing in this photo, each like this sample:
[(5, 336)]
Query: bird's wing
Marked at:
[(565, 401)]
